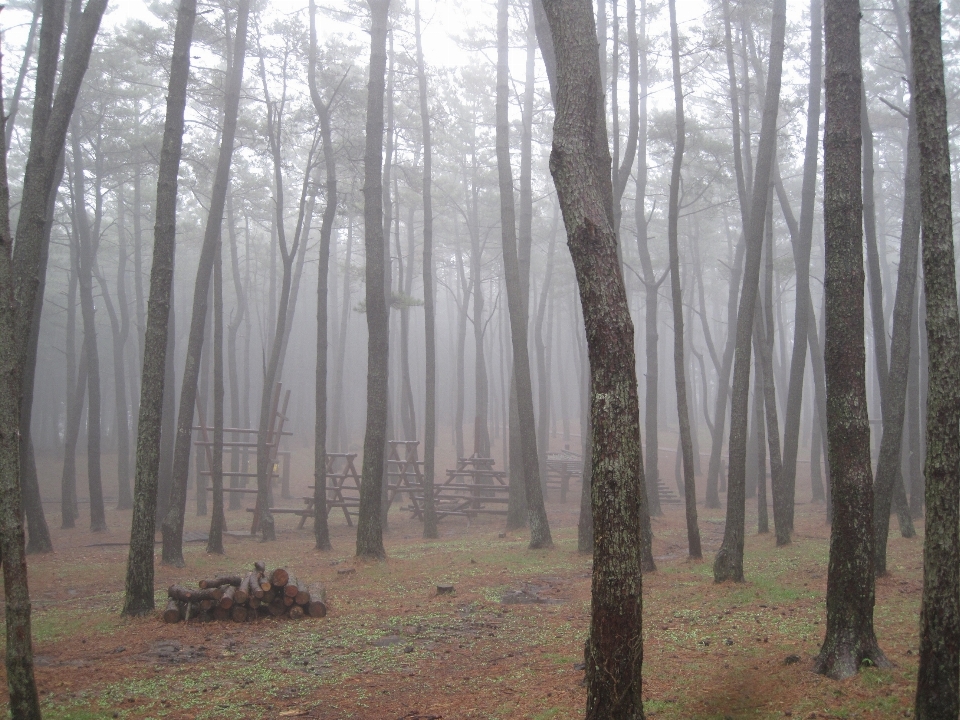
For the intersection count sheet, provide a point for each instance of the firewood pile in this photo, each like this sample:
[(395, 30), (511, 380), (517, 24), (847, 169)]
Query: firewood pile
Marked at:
[(242, 598)]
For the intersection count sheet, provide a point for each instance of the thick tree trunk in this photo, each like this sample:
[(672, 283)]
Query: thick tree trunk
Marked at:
[(938, 679), (139, 583), (172, 526), (850, 637), (21, 687), (369, 531), (536, 512), (581, 167)]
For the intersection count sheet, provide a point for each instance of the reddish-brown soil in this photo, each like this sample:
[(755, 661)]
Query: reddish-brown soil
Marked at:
[(391, 648)]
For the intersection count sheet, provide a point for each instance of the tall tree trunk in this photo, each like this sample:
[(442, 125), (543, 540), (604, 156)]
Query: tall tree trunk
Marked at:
[(763, 341), (723, 392), (895, 390), (651, 287), (321, 531), (233, 328), (536, 512), (76, 392), (801, 261), (217, 521), (172, 526), (52, 113), (87, 260), (338, 443), (728, 564), (369, 531), (938, 679), (429, 300), (679, 363), (139, 584), (581, 167), (10, 122), (23, 700), (850, 636)]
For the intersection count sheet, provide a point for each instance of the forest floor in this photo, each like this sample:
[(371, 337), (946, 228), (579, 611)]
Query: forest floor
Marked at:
[(391, 648)]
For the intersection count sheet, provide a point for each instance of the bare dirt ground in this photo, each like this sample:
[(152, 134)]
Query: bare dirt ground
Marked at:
[(507, 644)]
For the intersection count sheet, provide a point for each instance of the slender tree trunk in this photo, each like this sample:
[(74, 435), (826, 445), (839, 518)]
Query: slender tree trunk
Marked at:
[(215, 540), (76, 392), (338, 442), (759, 436), (321, 531), (895, 391), (429, 299), (87, 260), (369, 531), (139, 582), (172, 526), (233, 375), (14, 107), (801, 255), (850, 636), (536, 512), (651, 287), (679, 362), (938, 679), (729, 561)]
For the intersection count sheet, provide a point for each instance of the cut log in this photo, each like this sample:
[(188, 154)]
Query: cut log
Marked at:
[(172, 612), (269, 597), (317, 605), (260, 567), (444, 589), (242, 594), (302, 597), (184, 594), (292, 587), (279, 577), (296, 612), (220, 613), (265, 584), (226, 602), (208, 604), (288, 601), (277, 608), (219, 580), (238, 613), (253, 603)]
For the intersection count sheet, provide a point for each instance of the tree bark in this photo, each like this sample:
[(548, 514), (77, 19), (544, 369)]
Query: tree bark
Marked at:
[(938, 679), (139, 583), (581, 167), (24, 700), (729, 561), (850, 637), (369, 531)]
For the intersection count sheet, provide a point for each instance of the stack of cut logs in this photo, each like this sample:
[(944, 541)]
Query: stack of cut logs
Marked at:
[(245, 597)]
